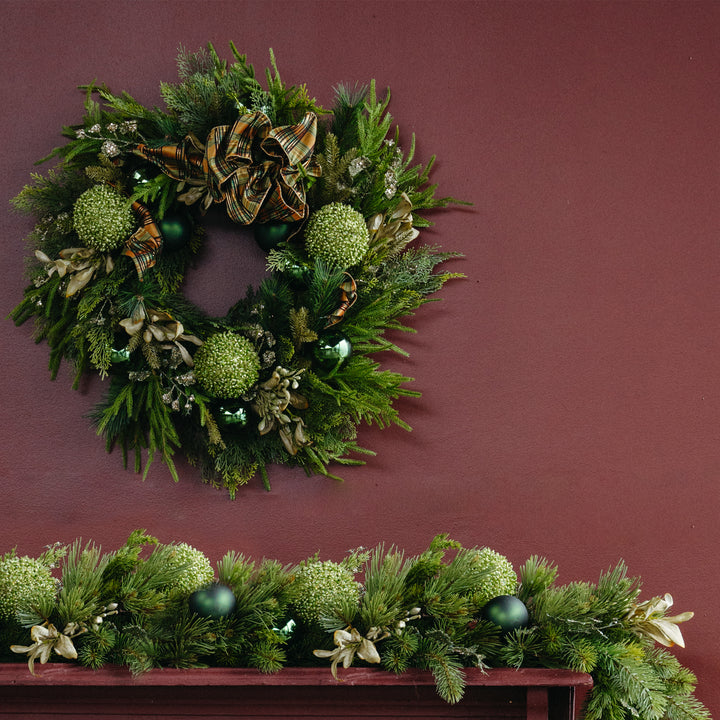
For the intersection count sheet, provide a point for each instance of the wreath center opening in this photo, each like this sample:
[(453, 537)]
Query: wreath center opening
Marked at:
[(229, 263)]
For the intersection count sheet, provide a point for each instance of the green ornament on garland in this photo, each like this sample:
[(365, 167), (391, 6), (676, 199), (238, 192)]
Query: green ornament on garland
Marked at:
[(270, 235), (119, 355), (233, 415), (139, 177), (214, 601), (299, 274), (507, 612), (287, 629), (176, 230), (333, 349)]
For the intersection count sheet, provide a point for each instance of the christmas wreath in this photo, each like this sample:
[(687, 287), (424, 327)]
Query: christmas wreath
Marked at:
[(150, 604), (288, 374)]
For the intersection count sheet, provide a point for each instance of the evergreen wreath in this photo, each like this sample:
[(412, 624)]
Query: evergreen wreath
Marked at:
[(288, 374), (148, 604)]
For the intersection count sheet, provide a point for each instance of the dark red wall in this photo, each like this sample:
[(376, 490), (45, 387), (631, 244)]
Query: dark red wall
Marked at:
[(571, 384)]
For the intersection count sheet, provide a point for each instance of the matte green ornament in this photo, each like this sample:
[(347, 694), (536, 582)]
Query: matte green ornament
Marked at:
[(214, 601), (270, 235), (333, 349), (176, 230), (507, 612), (233, 415)]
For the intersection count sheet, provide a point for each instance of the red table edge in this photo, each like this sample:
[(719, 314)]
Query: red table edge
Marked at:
[(58, 673)]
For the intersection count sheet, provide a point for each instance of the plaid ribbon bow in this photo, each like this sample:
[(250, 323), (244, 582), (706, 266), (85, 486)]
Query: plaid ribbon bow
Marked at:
[(255, 168)]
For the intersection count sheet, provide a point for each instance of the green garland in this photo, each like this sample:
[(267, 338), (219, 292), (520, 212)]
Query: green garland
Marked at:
[(288, 374), (166, 607)]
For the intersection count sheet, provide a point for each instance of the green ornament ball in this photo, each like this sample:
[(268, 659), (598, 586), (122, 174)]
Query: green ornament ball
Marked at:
[(233, 415), (214, 601), (333, 349), (297, 273), (507, 612), (287, 629), (226, 365), (337, 234), (139, 177), (119, 355), (176, 230), (270, 235), (102, 218)]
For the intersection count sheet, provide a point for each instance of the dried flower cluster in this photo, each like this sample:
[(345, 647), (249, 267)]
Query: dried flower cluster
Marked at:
[(194, 568), (337, 234), (500, 579), (227, 365), (102, 218), (23, 581), (319, 586)]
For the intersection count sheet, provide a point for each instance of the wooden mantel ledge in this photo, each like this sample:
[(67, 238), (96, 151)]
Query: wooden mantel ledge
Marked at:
[(67, 674)]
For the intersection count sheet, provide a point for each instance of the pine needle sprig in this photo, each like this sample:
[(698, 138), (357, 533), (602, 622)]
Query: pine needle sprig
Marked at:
[(347, 109), (384, 603), (323, 292), (536, 576), (447, 670), (334, 184), (186, 642)]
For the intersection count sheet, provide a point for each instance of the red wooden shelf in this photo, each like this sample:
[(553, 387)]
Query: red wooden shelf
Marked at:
[(67, 690)]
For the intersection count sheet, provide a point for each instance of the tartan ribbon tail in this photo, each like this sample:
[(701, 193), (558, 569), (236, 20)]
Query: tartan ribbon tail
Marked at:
[(180, 162), (348, 296), (145, 244)]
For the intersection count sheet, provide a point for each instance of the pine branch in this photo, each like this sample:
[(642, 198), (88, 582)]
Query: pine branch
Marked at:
[(447, 671)]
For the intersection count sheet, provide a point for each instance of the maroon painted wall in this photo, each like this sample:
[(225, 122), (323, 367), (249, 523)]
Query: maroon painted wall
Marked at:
[(571, 384)]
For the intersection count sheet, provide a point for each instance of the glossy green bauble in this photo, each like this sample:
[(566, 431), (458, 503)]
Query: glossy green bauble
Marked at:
[(176, 230), (298, 274), (214, 601), (270, 235), (139, 177), (333, 349), (120, 354), (507, 612), (287, 629), (233, 415)]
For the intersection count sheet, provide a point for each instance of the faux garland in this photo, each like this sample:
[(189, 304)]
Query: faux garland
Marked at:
[(288, 374), (149, 604)]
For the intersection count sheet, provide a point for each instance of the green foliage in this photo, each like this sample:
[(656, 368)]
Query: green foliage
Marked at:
[(154, 405), (130, 607)]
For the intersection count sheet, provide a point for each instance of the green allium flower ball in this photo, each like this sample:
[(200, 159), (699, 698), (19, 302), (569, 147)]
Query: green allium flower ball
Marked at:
[(500, 578), (195, 570), (337, 234), (102, 218), (226, 365), (24, 581), (319, 586)]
